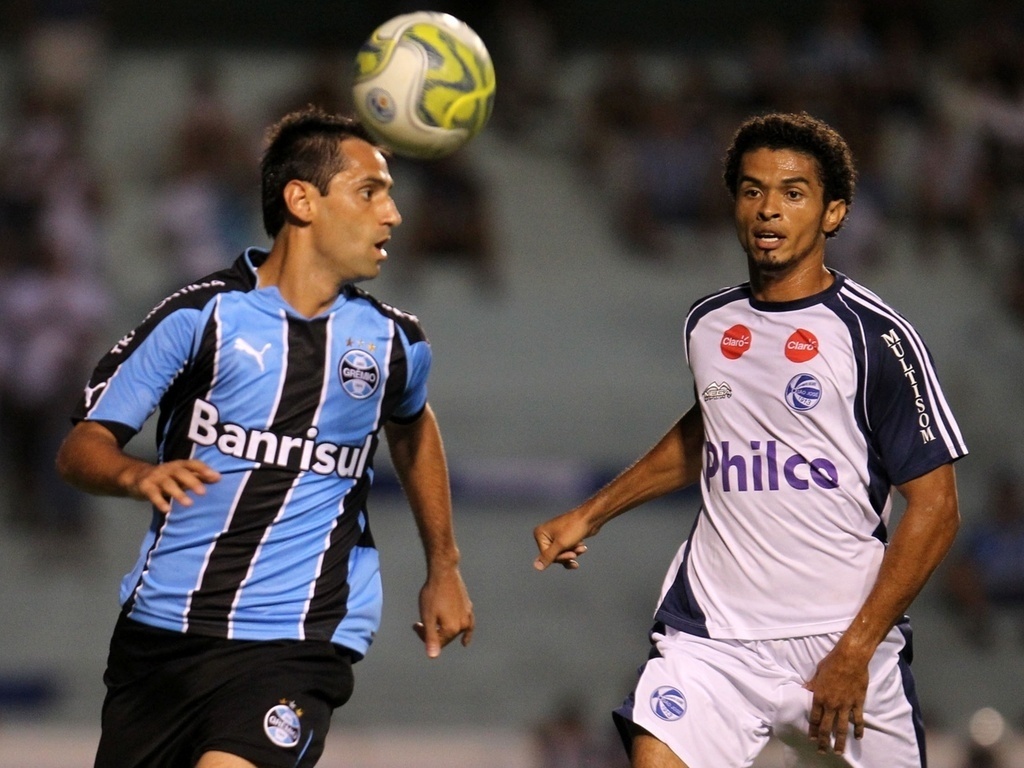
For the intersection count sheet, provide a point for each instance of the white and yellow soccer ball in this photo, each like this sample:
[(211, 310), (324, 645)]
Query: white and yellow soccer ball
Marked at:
[(424, 84)]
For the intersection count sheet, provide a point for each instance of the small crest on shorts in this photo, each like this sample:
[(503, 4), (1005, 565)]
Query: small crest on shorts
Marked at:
[(282, 724), (668, 703)]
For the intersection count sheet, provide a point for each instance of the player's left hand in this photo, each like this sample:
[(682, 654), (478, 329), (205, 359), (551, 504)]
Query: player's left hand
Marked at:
[(840, 686), (445, 612)]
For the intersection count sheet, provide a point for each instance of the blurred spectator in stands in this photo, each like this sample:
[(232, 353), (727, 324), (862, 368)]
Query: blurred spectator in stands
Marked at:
[(985, 575), (203, 207), (839, 45), (865, 227), (954, 181), (565, 740), (50, 318), (766, 81), (52, 303), (613, 110), (524, 51), (671, 169), (326, 83), (45, 173), (981, 757), (449, 221), (61, 43)]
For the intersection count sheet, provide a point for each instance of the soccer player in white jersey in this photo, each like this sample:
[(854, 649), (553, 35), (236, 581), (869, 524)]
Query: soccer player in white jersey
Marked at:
[(783, 612)]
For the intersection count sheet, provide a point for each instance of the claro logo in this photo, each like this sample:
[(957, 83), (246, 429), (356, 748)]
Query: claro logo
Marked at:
[(735, 341), (270, 449), (763, 469)]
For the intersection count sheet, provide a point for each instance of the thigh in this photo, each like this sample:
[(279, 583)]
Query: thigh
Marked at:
[(278, 712), (148, 717), (649, 752), (703, 699), (893, 729)]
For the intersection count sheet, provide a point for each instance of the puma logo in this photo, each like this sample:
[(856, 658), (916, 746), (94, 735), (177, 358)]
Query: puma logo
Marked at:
[(91, 392), (244, 346)]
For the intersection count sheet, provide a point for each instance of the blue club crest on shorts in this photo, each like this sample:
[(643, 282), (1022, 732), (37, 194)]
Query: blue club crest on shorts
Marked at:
[(282, 725), (668, 703)]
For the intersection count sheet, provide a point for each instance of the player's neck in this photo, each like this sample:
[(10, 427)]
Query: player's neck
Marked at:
[(299, 283), (789, 285)]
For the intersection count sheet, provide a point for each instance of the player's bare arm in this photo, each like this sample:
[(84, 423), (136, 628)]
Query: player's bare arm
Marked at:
[(91, 459), (418, 455), (923, 537), (673, 463)]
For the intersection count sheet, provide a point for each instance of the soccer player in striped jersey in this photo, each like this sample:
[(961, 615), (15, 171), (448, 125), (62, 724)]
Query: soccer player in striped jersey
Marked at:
[(783, 611), (257, 585)]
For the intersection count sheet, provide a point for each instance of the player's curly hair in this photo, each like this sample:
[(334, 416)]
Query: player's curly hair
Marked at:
[(801, 133), (303, 145)]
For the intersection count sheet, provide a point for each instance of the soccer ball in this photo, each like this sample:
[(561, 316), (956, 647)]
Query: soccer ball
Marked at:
[(424, 84)]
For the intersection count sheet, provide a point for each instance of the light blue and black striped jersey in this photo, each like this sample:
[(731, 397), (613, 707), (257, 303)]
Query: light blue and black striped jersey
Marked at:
[(288, 410), (813, 410)]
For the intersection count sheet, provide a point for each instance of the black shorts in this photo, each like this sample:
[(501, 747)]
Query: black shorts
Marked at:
[(171, 697)]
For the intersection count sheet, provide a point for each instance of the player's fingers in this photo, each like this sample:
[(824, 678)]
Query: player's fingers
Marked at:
[(842, 728), (432, 638), (815, 721), (203, 473), (162, 491), (548, 554), (857, 716), (196, 475), (568, 559), (556, 552), (825, 727), (421, 630)]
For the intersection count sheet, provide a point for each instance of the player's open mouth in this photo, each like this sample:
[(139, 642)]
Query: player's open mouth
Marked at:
[(767, 239), (380, 246)]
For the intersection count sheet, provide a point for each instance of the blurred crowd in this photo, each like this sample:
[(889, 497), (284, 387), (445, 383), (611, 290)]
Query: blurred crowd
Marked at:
[(935, 118)]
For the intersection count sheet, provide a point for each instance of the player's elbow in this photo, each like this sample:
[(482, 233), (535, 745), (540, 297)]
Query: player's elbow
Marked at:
[(65, 463)]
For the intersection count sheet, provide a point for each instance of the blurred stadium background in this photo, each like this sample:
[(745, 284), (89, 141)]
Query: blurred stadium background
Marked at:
[(556, 330)]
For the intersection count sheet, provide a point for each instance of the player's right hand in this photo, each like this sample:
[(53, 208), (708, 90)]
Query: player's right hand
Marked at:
[(560, 540), (162, 484)]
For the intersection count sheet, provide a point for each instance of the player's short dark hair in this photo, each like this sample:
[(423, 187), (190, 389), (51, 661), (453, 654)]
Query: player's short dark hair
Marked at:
[(800, 133), (303, 145)]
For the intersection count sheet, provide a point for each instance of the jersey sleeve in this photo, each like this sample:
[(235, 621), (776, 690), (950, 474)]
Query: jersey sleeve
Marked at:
[(128, 383), (913, 428), (419, 357)]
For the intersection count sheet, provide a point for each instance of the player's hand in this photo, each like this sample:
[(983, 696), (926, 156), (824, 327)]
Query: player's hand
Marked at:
[(840, 686), (560, 540), (172, 481), (445, 612)]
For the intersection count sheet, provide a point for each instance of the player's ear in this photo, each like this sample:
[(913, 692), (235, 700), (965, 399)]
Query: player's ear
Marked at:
[(299, 199), (835, 212)]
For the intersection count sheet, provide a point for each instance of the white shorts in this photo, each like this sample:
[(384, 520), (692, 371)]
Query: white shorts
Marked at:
[(715, 703)]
